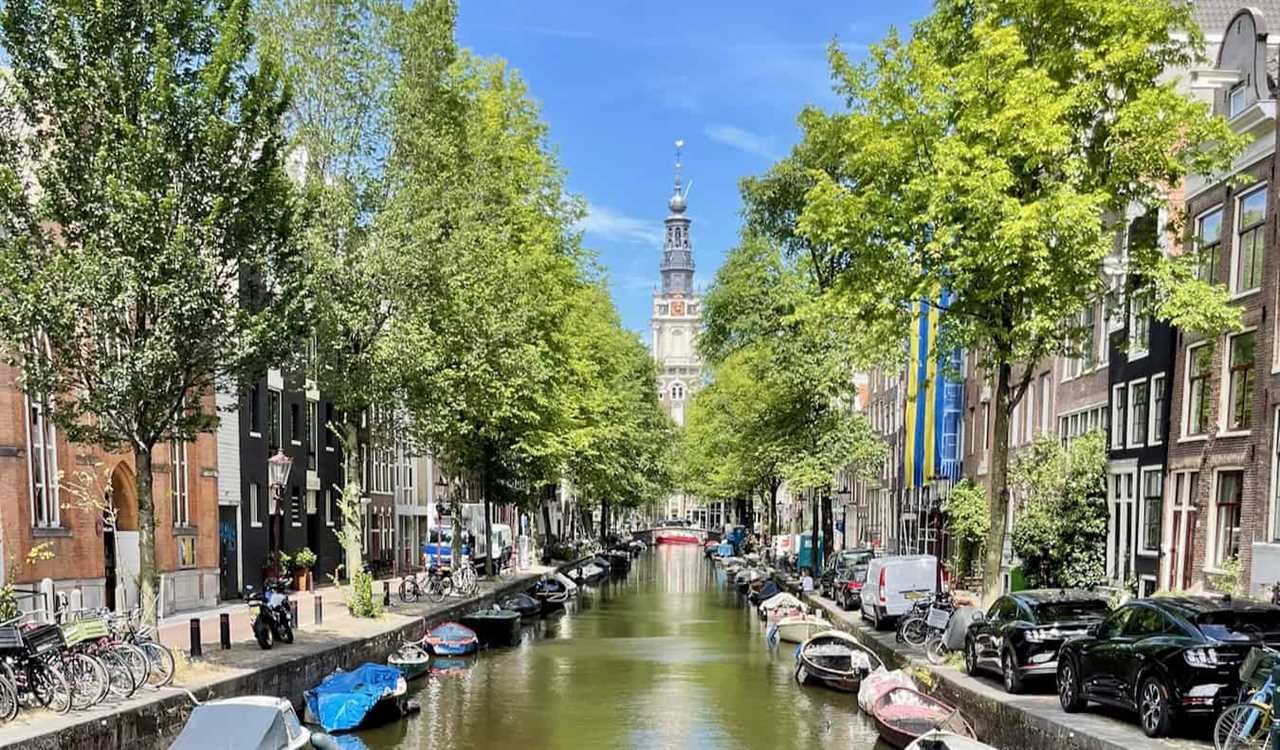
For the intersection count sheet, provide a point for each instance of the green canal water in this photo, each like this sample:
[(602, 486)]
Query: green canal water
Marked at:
[(666, 658)]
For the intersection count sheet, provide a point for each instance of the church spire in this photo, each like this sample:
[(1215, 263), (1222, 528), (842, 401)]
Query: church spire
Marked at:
[(677, 250)]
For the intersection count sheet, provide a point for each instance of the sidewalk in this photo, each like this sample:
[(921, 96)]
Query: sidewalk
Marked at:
[(988, 706)]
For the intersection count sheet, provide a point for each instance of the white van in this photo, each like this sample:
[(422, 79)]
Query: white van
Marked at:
[(890, 580)]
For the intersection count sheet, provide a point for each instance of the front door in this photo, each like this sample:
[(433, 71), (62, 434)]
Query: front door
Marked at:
[(1120, 528), (109, 573), (229, 551)]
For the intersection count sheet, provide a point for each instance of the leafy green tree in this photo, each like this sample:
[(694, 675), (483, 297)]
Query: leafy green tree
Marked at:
[(968, 520), (145, 220), (1061, 529), (983, 157)]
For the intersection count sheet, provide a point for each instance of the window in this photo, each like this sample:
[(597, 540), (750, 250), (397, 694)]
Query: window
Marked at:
[(677, 391), (1186, 491), (1145, 622), (313, 439), (42, 466), (330, 436), (181, 484), (1152, 508), (1251, 214), (1138, 409), (1118, 410), (1029, 411), (1226, 544), (1089, 323), (1114, 625), (986, 426), (1199, 361), (253, 405), (1045, 414), (1235, 100), (186, 551), (1209, 245), (1157, 425), (274, 425), (1139, 328), (295, 424), (1241, 381), (330, 500), (295, 507), (255, 507), (311, 502)]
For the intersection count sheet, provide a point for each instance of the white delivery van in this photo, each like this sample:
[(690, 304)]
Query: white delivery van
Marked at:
[(893, 584)]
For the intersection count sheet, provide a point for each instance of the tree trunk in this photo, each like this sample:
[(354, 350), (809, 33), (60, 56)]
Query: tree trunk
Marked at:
[(148, 576), (486, 483), (814, 547), (828, 527), (352, 490), (773, 507), (999, 499)]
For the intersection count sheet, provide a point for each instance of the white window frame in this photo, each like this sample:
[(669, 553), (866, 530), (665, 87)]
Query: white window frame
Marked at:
[(1235, 104), (1181, 507), (255, 512), (312, 501), (1211, 561), (42, 462), (1224, 390), (1185, 433), (181, 484), (1046, 414), (1143, 549), (1153, 418), (1131, 417), (1236, 244), (1117, 401), (1221, 208), (1135, 353), (279, 419)]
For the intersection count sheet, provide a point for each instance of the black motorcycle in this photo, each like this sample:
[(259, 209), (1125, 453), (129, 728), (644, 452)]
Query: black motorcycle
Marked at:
[(274, 621)]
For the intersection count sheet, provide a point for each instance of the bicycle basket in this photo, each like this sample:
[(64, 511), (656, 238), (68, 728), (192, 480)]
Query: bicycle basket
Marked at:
[(42, 639), (10, 639), (938, 618), (1256, 667), (85, 630)]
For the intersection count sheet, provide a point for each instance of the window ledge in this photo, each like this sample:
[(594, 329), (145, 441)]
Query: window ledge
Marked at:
[(295, 442), (184, 531), (1193, 439), (50, 531), (1148, 553), (253, 434), (1234, 433), (1134, 356), (1241, 295), (328, 449), (1213, 571), (255, 524)]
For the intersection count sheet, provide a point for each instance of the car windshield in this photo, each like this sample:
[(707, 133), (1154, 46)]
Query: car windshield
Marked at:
[(1231, 625), (853, 559), (860, 574), (1086, 609)]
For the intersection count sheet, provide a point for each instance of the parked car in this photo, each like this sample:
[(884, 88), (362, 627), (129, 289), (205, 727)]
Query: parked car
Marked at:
[(842, 562), (893, 584), (1021, 633), (848, 587), (1165, 657)]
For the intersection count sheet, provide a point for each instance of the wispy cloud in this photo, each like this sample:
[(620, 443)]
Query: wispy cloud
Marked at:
[(607, 224), (743, 140)]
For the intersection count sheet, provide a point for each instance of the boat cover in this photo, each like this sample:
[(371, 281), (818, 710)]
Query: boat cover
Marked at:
[(880, 682), (233, 726), (452, 632), (343, 699)]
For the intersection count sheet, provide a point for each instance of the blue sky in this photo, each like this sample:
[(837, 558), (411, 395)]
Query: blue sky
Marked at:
[(620, 82)]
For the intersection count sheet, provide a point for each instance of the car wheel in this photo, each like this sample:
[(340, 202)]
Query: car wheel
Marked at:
[(970, 658), (1069, 694), (1009, 670), (1153, 707)]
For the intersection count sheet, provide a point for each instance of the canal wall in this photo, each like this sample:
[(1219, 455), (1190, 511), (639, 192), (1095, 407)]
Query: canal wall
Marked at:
[(152, 722), (1012, 722)]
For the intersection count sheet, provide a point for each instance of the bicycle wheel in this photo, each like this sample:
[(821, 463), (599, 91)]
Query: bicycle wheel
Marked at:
[(407, 594), (50, 687), (1242, 726), (135, 660), (915, 631), (8, 700), (437, 589), (88, 678), (936, 650), (122, 684), (160, 663)]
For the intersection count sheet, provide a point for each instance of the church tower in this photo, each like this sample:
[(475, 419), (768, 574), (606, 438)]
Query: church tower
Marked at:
[(677, 309)]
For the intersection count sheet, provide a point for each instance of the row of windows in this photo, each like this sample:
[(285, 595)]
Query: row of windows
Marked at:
[(1236, 412), (304, 422), (1246, 252), (1137, 412), (262, 505)]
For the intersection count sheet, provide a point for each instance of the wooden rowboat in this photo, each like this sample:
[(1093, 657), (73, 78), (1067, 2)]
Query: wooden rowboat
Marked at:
[(835, 659), (902, 715)]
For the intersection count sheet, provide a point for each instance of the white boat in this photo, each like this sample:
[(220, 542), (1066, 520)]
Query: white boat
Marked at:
[(568, 582), (255, 722), (800, 628), (779, 601), (940, 740)]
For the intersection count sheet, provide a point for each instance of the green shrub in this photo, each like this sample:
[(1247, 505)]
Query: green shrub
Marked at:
[(361, 599)]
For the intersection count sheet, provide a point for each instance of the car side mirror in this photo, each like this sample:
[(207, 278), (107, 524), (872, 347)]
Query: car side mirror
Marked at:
[(979, 616), (1094, 630)]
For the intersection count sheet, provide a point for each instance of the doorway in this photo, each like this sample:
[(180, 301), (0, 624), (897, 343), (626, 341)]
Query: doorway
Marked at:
[(229, 551), (122, 549)]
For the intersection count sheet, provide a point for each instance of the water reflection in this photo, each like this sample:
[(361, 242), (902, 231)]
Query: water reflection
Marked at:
[(665, 658)]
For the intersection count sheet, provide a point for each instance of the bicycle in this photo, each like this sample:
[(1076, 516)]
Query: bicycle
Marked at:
[(158, 661), (913, 628), (87, 632), (1251, 723), (935, 644), (410, 591), (30, 661), (465, 580)]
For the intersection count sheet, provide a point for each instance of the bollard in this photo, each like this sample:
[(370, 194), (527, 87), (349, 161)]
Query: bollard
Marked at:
[(224, 630), (386, 593), (311, 583), (293, 614), (195, 637), (319, 610)]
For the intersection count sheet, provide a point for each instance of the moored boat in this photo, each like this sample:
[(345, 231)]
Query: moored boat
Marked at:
[(369, 695), (452, 639), (678, 534), (552, 593), (495, 627), (526, 605), (798, 628), (779, 602), (411, 660), (262, 722), (902, 715), (767, 590), (835, 659), (938, 740), (569, 584)]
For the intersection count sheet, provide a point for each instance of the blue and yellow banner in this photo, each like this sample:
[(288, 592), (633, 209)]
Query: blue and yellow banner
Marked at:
[(934, 403)]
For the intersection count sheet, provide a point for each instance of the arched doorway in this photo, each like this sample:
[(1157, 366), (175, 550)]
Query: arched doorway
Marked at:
[(120, 542)]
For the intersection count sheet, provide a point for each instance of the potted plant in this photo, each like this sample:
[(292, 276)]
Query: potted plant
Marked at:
[(279, 565), (303, 561)]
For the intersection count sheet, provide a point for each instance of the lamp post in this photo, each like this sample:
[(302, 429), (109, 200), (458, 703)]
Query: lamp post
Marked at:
[(278, 468), (843, 493)]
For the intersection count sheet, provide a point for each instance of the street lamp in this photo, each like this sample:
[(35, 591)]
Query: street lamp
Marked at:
[(278, 468)]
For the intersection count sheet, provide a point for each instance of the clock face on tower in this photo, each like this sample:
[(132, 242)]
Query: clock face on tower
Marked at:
[(677, 307)]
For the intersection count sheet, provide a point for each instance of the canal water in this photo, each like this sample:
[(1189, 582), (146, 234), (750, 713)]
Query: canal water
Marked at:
[(666, 658)]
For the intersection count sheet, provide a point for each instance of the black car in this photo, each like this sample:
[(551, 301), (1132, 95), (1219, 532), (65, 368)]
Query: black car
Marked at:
[(848, 587), (1020, 634), (1165, 657), (842, 563)]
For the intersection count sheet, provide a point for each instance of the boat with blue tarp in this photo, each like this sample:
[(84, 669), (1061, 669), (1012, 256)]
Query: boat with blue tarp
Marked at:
[(368, 695)]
